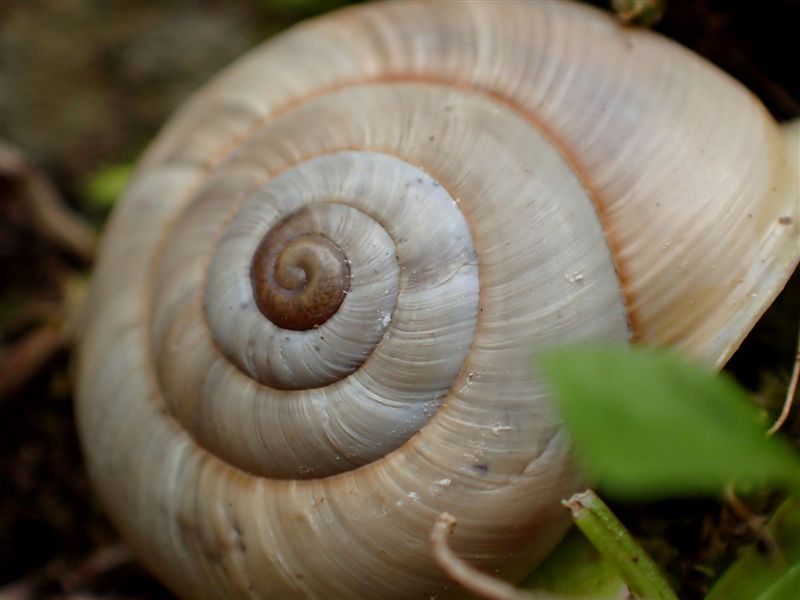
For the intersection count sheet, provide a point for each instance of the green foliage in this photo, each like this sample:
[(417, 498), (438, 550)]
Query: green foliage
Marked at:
[(599, 560), (648, 424), (618, 547), (106, 185), (786, 588), (576, 570)]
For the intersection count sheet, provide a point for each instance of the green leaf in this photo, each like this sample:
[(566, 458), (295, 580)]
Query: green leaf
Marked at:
[(786, 588), (575, 570), (106, 185), (648, 424), (767, 575)]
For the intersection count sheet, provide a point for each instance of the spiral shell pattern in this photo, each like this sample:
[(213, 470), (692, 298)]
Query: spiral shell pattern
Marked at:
[(320, 398), (311, 327)]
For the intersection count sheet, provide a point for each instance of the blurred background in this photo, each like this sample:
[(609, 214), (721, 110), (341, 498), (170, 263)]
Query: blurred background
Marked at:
[(84, 86)]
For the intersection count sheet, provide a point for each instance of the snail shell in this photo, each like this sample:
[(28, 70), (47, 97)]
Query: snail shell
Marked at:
[(309, 331)]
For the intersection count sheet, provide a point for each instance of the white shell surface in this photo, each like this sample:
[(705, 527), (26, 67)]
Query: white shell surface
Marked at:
[(536, 174)]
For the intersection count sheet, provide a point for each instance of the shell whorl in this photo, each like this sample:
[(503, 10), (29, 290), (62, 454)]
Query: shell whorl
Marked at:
[(299, 276), (310, 328)]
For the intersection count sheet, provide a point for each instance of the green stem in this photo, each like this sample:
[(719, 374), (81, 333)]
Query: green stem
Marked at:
[(618, 547)]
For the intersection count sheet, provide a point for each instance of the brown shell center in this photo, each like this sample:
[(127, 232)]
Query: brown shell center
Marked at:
[(299, 281)]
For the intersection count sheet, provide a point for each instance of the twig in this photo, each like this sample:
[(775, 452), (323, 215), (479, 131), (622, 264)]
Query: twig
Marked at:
[(22, 360), (469, 577), (100, 562), (753, 522), (790, 392), (49, 213)]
